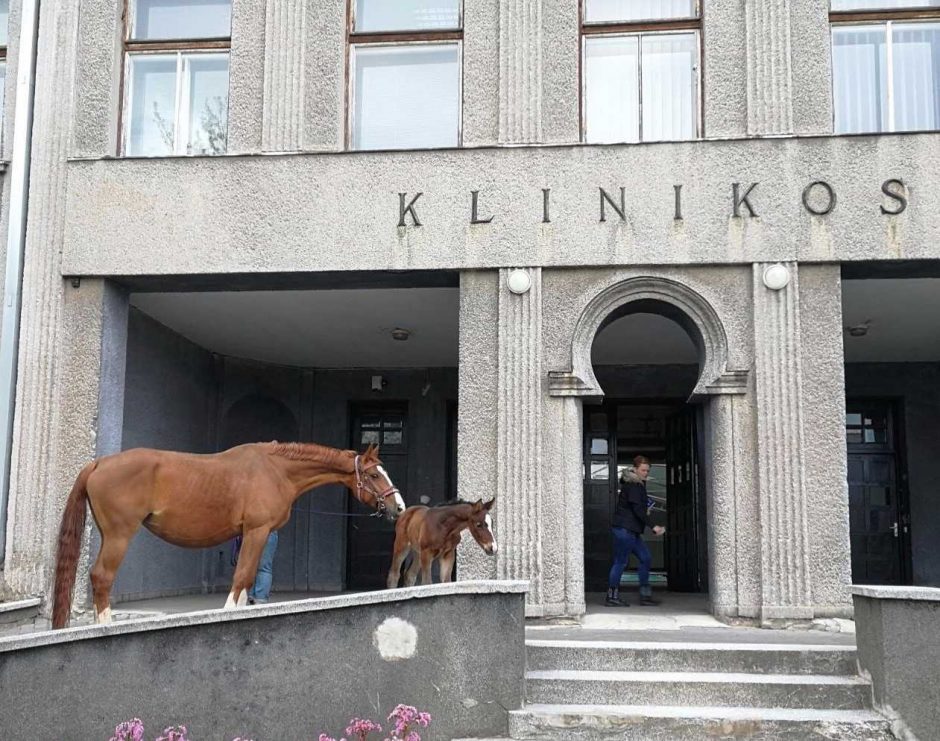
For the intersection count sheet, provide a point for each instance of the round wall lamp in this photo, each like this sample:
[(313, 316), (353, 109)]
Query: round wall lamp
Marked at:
[(518, 281), (776, 277)]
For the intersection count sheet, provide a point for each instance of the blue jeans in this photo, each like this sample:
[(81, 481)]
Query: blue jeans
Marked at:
[(262, 588), (625, 543)]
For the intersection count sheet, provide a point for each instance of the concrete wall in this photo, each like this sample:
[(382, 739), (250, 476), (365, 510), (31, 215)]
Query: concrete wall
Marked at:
[(282, 671), (170, 391), (917, 387), (258, 225), (896, 633)]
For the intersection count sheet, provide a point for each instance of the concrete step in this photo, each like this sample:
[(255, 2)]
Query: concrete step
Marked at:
[(635, 722), (543, 655), (724, 689)]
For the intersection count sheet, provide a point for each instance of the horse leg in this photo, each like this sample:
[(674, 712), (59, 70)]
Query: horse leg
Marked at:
[(113, 550), (447, 565), (248, 559), (398, 558)]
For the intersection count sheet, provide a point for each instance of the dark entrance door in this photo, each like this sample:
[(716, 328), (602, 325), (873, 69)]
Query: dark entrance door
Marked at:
[(663, 431), (879, 521), (369, 540), (682, 502)]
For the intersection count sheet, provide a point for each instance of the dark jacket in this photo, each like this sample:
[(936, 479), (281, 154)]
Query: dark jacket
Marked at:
[(631, 512)]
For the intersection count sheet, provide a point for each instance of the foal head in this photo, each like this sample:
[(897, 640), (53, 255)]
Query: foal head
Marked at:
[(481, 526), (373, 486)]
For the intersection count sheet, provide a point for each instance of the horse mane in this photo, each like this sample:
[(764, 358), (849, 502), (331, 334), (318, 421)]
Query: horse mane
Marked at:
[(332, 457)]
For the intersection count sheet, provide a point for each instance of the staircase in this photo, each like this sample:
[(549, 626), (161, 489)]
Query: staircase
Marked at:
[(581, 690)]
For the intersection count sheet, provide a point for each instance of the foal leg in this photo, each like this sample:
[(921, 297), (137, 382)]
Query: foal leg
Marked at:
[(113, 549), (398, 558), (411, 575), (447, 565), (426, 561), (248, 558)]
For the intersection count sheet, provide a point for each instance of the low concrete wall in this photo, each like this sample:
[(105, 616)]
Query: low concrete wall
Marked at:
[(896, 632), (280, 671)]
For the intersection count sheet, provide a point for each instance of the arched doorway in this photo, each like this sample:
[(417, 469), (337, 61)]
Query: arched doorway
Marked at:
[(648, 367), (714, 421)]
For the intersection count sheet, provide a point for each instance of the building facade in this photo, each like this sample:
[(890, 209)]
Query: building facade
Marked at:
[(516, 242)]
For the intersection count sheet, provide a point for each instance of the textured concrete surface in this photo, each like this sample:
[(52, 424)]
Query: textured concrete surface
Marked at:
[(645, 723), (280, 671), (897, 629)]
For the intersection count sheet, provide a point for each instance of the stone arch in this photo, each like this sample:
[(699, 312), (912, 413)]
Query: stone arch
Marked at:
[(653, 295)]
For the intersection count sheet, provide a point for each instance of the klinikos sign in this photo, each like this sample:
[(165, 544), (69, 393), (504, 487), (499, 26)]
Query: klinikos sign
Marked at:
[(818, 198)]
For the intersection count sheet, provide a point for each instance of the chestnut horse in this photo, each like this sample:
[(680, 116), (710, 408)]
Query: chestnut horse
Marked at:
[(197, 501), (433, 533)]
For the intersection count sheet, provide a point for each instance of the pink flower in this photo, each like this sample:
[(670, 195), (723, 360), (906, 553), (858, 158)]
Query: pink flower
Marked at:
[(362, 727), (173, 733), (129, 730)]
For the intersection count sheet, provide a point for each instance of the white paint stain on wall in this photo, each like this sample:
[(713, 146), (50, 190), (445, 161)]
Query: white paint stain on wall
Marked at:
[(396, 639)]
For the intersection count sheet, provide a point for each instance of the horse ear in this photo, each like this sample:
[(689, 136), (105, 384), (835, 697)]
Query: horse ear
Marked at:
[(489, 505), (478, 505)]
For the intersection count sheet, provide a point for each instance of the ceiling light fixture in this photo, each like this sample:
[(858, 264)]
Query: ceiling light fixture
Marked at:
[(859, 330), (401, 334)]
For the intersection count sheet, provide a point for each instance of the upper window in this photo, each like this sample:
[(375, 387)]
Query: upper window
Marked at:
[(640, 70), (885, 65), (404, 60), (4, 37), (176, 77)]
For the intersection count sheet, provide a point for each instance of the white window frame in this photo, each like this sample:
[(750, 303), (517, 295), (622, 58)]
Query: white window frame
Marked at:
[(398, 39), (179, 46), (885, 18)]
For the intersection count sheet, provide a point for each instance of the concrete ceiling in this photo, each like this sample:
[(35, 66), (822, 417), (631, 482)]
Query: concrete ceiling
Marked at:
[(317, 329), (351, 328), (903, 316)]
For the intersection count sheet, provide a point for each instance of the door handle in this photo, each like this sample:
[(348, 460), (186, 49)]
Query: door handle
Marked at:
[(894, 527)]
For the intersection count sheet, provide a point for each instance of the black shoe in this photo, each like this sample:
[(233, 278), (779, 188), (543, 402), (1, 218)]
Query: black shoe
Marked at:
[(615, 602), (648, 600)]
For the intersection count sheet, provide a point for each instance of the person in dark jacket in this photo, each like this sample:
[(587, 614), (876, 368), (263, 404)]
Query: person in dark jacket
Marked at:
[(631, 518)]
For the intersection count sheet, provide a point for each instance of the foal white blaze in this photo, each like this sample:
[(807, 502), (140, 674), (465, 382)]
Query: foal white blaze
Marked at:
[(489, 526)]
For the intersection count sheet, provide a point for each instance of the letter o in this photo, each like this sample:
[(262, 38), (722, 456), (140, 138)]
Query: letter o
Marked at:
[(832, 198)]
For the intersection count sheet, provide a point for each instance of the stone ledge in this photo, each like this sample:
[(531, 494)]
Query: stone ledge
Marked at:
[(315, 604), (923, 594), (20, 604)]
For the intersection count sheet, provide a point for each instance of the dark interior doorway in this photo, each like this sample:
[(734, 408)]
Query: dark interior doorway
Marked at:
[(879, 512), (369, 540), (665, 431)]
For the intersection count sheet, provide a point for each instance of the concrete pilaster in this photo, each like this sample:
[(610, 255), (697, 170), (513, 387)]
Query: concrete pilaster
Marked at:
[(769, 76), (519, 436), (36, 490), (284, 67), (785, 577), (246, 76)]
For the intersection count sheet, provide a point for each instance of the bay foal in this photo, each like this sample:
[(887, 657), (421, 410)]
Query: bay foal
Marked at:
[(433, 533), (197, 501)]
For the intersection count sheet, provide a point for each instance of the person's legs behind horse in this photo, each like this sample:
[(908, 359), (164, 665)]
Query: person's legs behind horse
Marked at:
[(621, 544), (261, 591)]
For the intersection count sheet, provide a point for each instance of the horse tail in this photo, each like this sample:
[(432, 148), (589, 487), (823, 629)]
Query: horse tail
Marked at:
[(70, 543)]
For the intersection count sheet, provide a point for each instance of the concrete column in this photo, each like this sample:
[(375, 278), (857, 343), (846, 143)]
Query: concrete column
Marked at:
[(97, 70), (51, 407), (477, 409), (285, 44), (785, 576), (519, 436), (824, 452), (481, 73)]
